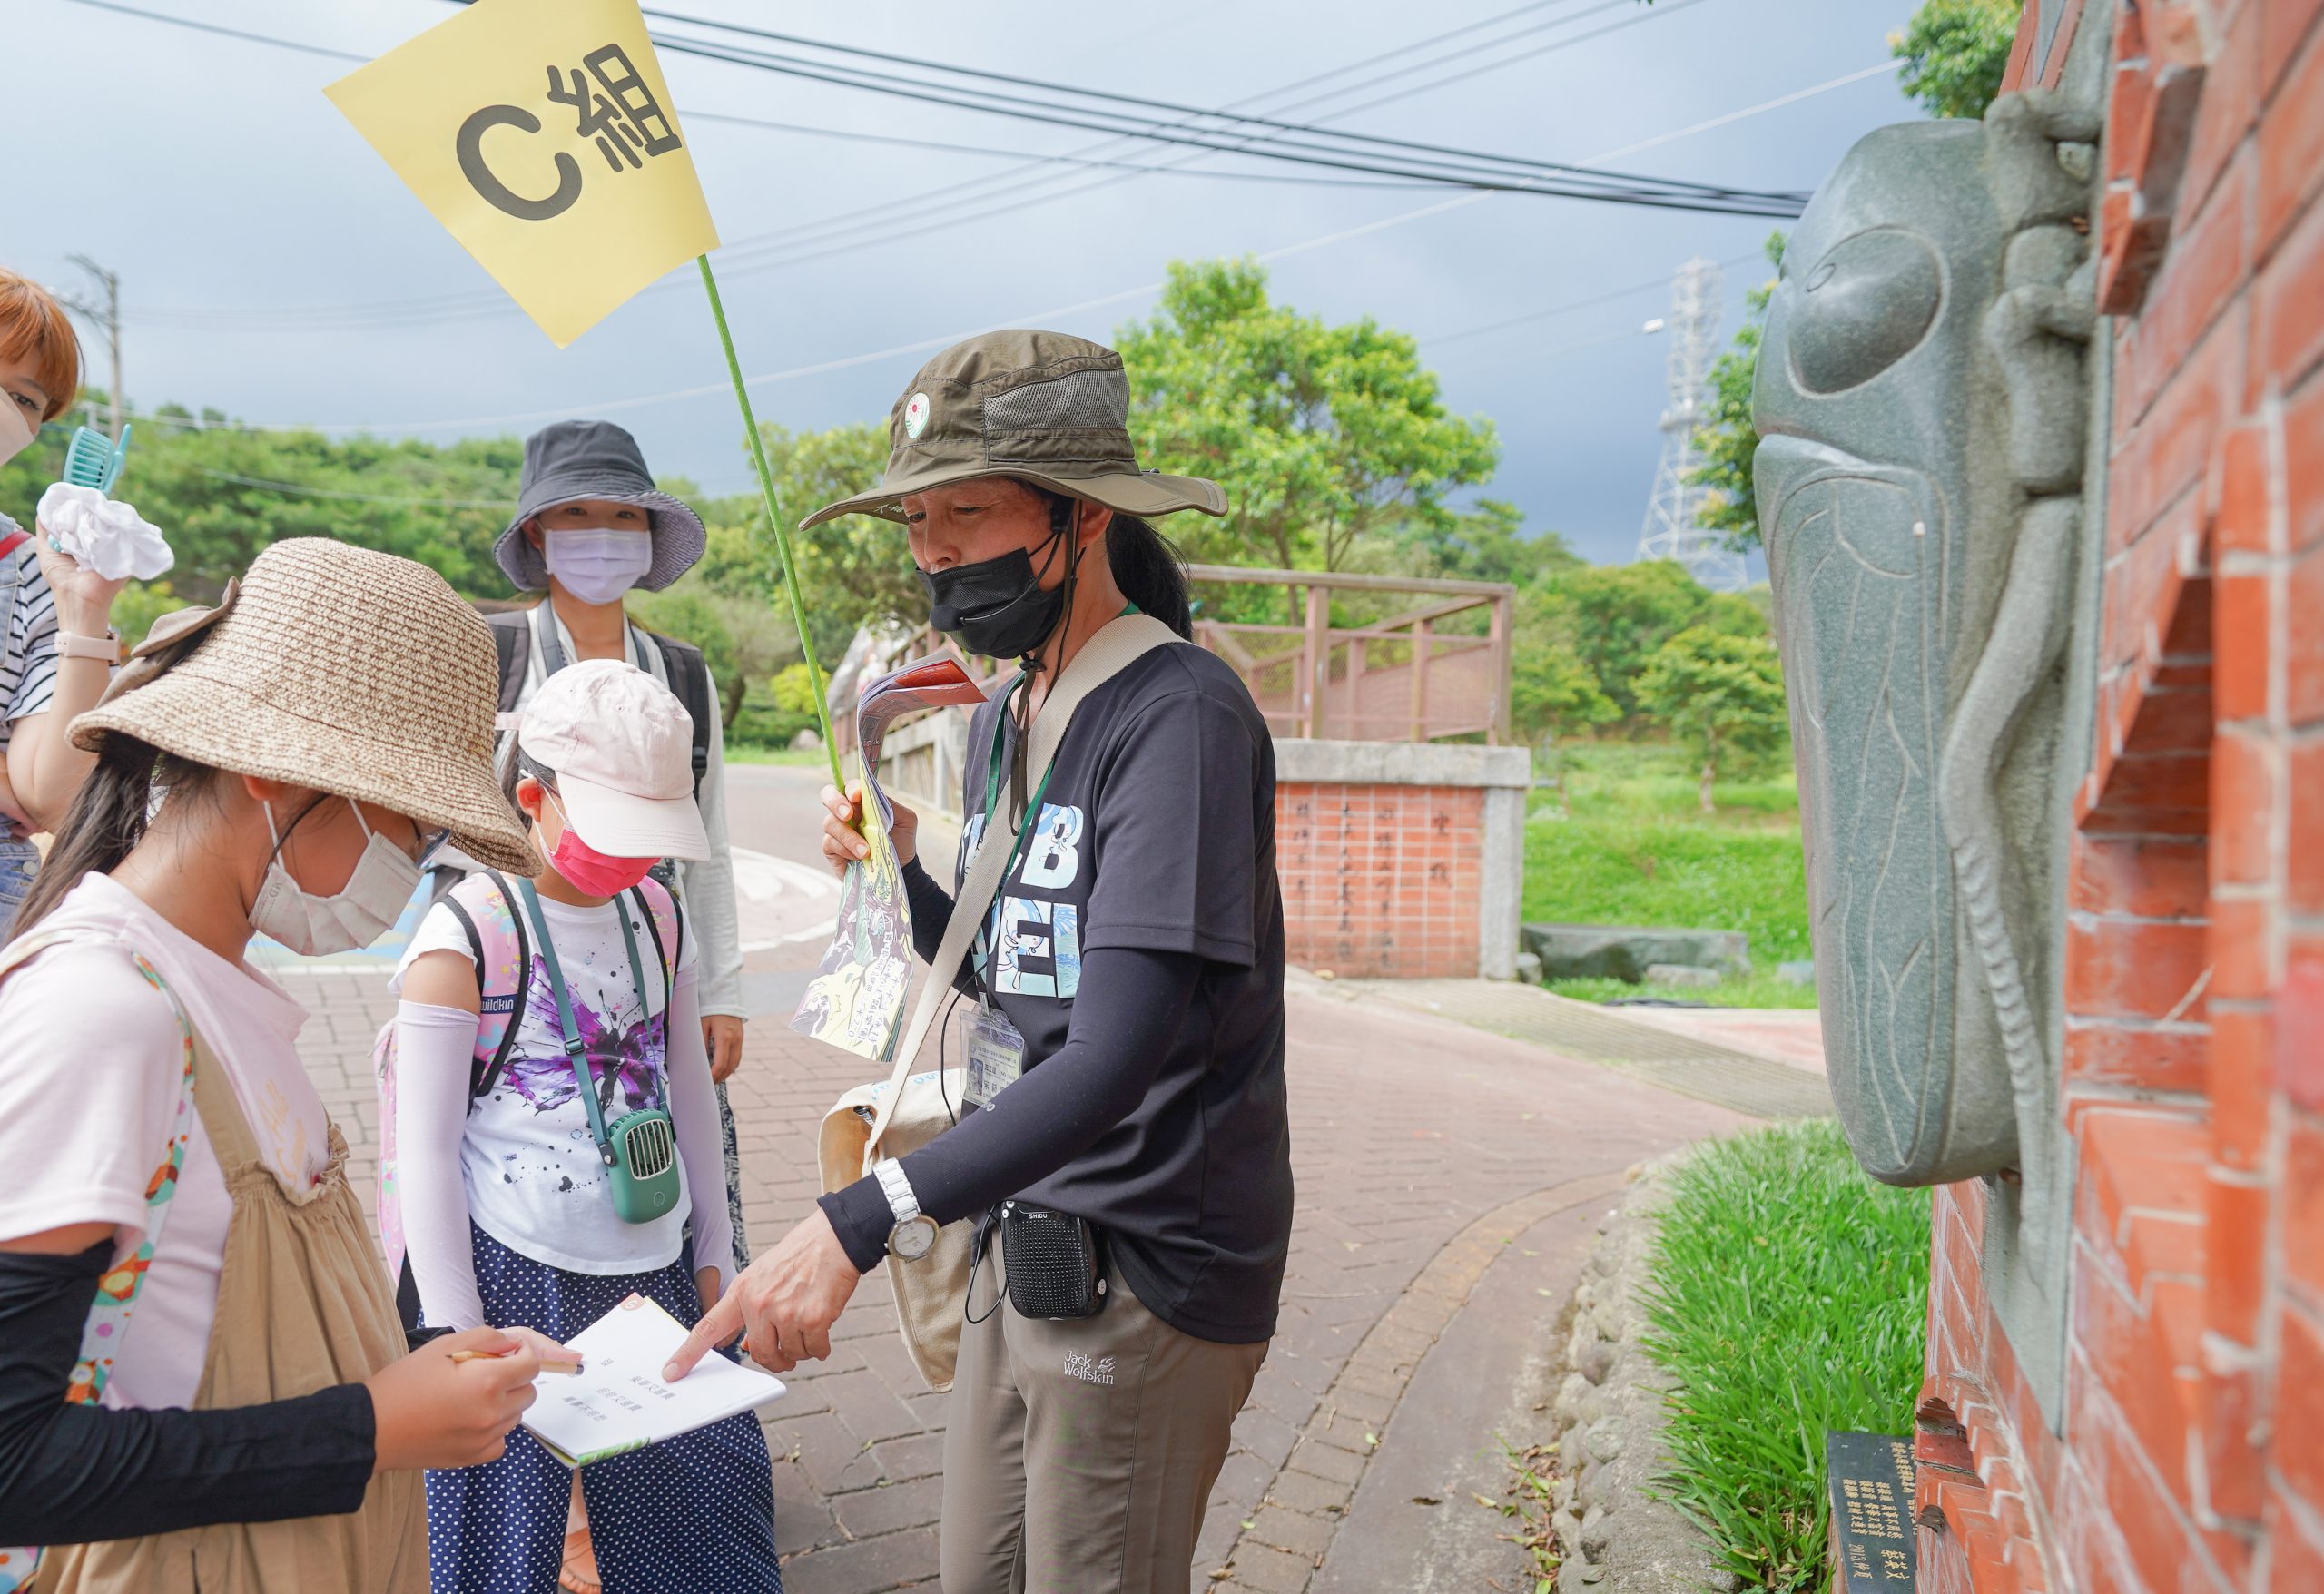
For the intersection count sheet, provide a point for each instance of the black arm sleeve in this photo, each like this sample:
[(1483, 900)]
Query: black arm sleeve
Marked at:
[(72, 1473), (931, 909), (1131, 1003)]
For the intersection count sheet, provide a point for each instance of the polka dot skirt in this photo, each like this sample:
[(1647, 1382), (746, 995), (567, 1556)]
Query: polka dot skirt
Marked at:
[(691, 1515)]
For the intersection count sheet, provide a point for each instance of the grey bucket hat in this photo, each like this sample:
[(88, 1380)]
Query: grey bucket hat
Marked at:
[(1040, 406), (594, 459)]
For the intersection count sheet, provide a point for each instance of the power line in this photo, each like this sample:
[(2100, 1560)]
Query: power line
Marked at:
[(1055, 313), (1510, 174), (790, 247), (796, 245), (300, 490), (1274, 124)]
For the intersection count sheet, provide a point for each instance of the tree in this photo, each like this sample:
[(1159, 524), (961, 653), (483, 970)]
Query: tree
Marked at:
[(1954, 53), (1728, 439), (220, 494), (1615, 616), (742, 639), (1722, 695), (1327, 439), (853, 571), (1487, 542)]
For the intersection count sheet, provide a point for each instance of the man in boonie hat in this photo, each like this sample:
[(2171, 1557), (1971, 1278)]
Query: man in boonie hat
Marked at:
[(1132, 1157), (589, 526)]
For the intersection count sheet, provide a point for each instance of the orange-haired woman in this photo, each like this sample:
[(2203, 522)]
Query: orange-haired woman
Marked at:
[(57, 645)]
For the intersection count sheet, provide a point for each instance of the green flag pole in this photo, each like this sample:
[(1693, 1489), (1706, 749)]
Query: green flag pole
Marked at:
[(782, 533)]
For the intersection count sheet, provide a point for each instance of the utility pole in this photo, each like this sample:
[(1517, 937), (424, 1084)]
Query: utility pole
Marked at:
[(103, 310)]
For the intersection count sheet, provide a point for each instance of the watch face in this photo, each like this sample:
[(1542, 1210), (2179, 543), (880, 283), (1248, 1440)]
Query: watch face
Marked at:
[(913, 1240)]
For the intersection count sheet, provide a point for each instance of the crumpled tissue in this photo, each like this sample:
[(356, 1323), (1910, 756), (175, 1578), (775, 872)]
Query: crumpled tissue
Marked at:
[(102, 535)]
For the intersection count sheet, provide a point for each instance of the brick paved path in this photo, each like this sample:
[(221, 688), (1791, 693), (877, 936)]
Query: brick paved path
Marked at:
[(1418, 1145)]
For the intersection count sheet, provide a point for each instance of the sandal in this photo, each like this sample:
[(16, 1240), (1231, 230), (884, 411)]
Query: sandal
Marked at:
[(579, 1575)]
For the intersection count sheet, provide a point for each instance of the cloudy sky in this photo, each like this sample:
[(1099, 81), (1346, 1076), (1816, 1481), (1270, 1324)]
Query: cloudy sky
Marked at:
[(273, 268)]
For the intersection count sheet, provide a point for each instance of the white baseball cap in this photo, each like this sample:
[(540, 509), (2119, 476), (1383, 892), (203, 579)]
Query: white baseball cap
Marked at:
[(622, 746)]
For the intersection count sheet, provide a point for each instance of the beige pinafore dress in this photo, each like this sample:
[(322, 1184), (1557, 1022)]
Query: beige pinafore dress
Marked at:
[(303, 1302)]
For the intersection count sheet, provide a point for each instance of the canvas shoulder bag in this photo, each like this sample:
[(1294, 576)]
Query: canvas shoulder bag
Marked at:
[(899, 1114)]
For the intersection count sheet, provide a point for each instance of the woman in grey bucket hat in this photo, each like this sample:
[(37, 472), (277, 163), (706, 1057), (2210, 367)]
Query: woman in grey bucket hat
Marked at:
[(589, 524), (1130, 1162)]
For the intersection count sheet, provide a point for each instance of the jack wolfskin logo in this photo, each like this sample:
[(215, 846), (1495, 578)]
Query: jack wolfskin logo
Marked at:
[(1077, 1365)]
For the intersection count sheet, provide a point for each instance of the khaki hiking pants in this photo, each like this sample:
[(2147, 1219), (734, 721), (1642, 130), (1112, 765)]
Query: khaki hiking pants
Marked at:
[(1078, 1456)]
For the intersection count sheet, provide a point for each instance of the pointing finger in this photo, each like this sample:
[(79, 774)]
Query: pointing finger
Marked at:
[(721, 1322)]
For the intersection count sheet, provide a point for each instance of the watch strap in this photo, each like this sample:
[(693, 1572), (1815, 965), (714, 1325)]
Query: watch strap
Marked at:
[(902, 1204), (72, 646)]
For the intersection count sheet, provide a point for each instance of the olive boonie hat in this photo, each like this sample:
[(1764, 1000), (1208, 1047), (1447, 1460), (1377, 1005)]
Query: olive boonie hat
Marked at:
[(594, 459), (335, 668), (1040, 406)]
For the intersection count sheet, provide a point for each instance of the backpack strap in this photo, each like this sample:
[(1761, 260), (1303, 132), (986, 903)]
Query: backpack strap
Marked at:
[(668, 953), (690, 683), (492, 1052), (512, 635)]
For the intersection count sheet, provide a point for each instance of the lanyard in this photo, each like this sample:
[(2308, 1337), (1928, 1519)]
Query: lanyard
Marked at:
[(572, 1049), (1032, 807)]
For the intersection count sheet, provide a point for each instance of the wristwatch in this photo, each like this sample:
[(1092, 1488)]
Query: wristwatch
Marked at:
[(915, 1235), (107, 647)]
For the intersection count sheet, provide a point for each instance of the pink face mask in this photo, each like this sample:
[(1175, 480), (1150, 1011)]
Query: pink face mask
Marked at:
[(588, 870)]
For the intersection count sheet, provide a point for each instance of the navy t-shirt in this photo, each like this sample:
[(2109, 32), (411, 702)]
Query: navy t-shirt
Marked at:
[(1156, 831)]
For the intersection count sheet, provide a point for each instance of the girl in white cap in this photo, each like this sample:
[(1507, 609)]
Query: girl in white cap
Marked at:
[(203, 1364), (511, 1201)]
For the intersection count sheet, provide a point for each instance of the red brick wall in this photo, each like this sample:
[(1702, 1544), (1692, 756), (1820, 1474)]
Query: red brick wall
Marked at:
[(1381, 882), (2191, 1454)]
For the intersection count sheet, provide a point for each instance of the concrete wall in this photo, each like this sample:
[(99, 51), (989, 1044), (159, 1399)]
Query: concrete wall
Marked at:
[(2187, 1453), (1397, 860)]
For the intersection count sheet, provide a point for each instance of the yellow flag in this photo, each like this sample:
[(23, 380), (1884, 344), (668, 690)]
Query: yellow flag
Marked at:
[(540, 132)]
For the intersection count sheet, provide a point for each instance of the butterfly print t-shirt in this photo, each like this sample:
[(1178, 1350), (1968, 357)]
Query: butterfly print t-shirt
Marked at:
[(534, 1180)]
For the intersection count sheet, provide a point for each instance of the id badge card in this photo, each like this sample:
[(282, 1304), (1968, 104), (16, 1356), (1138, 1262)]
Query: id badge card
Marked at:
[(995, 1053)]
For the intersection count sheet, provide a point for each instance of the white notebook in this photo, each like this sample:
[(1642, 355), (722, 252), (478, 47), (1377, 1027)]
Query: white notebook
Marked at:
[(618, 1401)]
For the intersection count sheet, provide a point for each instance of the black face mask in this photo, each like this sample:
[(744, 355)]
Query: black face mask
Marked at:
[(997, 609)]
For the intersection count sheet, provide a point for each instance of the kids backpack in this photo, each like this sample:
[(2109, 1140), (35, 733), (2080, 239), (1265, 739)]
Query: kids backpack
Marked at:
[(484, 903)]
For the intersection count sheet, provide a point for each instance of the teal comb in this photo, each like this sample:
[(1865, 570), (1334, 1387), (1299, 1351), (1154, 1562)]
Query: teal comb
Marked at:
[(94, 460)]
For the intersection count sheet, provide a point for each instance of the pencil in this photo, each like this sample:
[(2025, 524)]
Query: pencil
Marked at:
[(569, 1369)]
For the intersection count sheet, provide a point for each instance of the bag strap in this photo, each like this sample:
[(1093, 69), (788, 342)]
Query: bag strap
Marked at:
[(118, 1288), (574, 1054), (689, 676), (511, 632), (484, 1073), (1119, 644), (663, 955)]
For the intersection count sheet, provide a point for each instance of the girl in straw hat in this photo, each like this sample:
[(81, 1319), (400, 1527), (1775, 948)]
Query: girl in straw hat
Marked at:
[(240, 1406)]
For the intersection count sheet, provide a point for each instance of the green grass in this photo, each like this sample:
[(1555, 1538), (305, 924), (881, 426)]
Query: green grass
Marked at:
[(1787, 1298), (1761, 990), (1663, 872), (1625, 843)]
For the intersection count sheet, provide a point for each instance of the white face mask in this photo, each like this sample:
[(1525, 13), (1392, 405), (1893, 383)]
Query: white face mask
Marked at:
[(16, 428), (597, 563), (365, 909)]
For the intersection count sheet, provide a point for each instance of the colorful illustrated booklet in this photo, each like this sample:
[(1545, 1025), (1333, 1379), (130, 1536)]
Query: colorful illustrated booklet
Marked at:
[(618, 1402), (856, 1000)]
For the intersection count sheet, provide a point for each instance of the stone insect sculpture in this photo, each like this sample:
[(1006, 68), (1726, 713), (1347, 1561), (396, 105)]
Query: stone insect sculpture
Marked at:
[(1923, 405)]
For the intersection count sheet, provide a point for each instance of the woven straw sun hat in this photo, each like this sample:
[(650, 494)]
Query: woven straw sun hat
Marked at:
[(336, 668)]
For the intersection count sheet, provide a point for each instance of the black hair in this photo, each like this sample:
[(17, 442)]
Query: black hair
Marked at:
[(1146, 565), (112, 813)]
